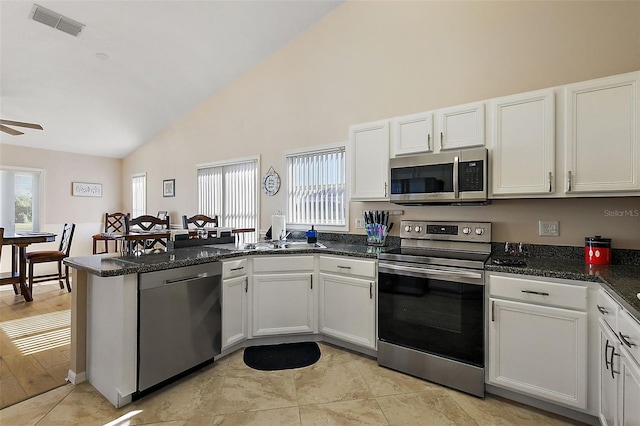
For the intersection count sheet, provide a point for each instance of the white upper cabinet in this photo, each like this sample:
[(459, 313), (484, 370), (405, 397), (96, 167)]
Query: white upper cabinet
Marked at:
[(369, 145), (460, 126), (412, 134), (521, 138), (602, 152)]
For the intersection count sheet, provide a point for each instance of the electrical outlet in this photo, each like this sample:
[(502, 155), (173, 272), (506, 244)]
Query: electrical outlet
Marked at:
[(548, 228), (359, 223)]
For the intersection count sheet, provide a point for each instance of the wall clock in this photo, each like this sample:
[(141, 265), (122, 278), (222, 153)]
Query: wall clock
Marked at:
[(271, 182)]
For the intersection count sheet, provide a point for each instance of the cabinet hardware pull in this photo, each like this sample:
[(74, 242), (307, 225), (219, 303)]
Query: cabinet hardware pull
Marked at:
[(429, 142), (539, 293), (385, 189), (441, 138), (550, 178), (493, 310), (569, 181), (370, 290), (311, 282), (624, 339), (344, 267), (246, 285), (237, 269), (613, 372), (602, 310), (606, 353)]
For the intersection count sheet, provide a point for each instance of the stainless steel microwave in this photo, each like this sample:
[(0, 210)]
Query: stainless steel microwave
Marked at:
[(450, 177)]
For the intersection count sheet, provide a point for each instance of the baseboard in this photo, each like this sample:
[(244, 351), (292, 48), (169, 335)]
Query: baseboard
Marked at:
[(75, 379)]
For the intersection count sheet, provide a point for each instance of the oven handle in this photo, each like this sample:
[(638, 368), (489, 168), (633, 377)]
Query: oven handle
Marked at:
[(427, 273)]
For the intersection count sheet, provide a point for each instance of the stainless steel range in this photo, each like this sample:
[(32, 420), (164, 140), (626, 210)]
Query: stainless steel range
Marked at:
[(431, 303)]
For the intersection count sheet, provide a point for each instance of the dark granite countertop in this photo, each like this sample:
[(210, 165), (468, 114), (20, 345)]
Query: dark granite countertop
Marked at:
[(111, 265), (622, 281)]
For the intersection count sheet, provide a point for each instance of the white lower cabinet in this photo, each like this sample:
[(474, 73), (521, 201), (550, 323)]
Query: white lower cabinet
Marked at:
[(619, 368), (283, 302), (630, 392), (235, 309), (609, 369), (348, 309), (537, 348)]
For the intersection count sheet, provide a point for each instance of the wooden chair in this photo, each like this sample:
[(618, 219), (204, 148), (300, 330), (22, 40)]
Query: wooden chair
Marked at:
[(199, 221), (148, 223), (114, 223), (9, 277), (47, 256)]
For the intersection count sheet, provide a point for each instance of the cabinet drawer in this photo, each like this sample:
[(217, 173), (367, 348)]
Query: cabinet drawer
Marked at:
[(629, 333), (541, 292), (608, 309), (341, 265), (283, 263), (234, 268)]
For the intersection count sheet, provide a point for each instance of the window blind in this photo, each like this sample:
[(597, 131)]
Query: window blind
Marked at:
[(20, 202), (139, 192), (230, 191), (316, 188)]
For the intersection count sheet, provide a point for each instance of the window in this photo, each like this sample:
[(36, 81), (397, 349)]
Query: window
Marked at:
[(230, 191), (316, 188), (20, 209), (139, 191)]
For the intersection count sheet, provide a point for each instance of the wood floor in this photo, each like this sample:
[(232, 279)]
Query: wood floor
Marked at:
[(34, 341)]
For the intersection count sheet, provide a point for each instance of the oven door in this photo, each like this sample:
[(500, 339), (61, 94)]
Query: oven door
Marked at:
[(434, 310)]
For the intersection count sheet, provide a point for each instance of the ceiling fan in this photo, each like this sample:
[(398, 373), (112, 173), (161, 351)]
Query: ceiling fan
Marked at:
[(5, 123)]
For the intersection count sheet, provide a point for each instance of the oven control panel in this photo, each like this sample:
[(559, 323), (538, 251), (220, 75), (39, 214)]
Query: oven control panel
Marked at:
[(446, 231)]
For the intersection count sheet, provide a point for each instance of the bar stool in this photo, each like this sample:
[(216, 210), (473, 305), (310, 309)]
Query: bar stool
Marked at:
[(114, 223)]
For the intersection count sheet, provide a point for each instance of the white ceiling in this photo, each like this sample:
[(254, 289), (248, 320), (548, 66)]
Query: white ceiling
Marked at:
[(164, 59)]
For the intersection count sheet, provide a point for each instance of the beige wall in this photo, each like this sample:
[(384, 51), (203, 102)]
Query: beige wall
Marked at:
[(375, 60), (60, 170)]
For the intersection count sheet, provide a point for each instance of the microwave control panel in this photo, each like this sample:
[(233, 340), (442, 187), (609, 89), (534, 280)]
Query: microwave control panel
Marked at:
[(471, 175)]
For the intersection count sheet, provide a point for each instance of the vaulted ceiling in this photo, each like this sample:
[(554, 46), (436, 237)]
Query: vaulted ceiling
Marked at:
[(135, 68)]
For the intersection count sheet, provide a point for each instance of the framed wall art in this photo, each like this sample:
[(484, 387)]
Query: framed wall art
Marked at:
[(169, 188), (84, 189)]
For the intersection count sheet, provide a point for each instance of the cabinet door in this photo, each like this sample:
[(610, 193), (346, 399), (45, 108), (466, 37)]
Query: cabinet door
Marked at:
[(630, 389), (370, 161), (609, 368), (412, 134), (234, 310), (522, 137), (539, 350), (347, 309), (282, 304), (461, 126), (601, 119)]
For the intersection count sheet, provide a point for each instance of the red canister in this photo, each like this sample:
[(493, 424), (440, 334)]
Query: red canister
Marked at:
[(597, 250)]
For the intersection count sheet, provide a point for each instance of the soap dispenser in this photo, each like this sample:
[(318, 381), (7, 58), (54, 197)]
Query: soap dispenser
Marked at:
[(312, 235)]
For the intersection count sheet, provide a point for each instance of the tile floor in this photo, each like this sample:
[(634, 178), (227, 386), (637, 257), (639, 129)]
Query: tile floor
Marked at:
[(342, 388), (34, 341)]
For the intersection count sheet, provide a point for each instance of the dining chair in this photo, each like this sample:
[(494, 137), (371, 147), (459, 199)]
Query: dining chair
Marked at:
[(114, 223), (46, 256), (199, 221), (8, 277), (148, 223)]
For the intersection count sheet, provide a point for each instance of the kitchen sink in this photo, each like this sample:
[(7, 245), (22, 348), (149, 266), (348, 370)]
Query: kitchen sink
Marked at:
[(284, 245)]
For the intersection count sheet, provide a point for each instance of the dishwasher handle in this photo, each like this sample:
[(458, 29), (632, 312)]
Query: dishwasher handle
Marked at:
[(184, 279)]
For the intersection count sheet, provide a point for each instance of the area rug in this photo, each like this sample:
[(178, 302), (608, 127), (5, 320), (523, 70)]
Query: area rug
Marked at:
[(282, 357)]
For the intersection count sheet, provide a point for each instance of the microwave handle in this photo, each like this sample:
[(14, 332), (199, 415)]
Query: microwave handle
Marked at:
[(456, 187)]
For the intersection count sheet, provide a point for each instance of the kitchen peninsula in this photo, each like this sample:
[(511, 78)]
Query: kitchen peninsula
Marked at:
[(106, 286)]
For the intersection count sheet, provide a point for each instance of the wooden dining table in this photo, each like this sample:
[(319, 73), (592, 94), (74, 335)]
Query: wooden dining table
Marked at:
[(19, 243), (132, 238)]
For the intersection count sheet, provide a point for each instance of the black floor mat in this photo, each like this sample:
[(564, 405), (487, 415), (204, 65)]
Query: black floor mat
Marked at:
[(282, 357)]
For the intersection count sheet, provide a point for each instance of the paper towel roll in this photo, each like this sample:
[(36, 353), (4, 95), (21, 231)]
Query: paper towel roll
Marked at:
[(278, 228)]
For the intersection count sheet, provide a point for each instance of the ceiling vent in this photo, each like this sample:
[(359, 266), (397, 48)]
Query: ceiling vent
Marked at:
[(55, 20)]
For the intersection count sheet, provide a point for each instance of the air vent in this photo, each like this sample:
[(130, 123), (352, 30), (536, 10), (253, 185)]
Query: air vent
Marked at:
[(55, 20)]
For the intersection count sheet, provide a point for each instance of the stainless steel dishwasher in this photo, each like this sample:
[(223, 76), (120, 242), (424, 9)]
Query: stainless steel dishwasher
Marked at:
[(179, 322)]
